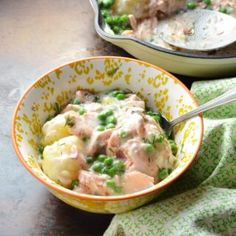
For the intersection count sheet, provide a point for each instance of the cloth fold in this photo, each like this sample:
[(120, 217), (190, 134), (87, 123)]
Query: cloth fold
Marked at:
[(203, 201)]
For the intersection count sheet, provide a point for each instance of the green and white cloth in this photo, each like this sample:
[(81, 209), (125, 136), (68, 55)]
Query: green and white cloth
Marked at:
[(203, 201)]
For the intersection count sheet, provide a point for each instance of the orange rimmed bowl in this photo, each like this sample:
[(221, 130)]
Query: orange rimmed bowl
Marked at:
[(160, 90)]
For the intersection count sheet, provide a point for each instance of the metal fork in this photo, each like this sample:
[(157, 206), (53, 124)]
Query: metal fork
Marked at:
[(226, 97)]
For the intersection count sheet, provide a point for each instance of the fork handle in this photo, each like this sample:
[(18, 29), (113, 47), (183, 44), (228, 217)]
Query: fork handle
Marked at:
[(226, 97)]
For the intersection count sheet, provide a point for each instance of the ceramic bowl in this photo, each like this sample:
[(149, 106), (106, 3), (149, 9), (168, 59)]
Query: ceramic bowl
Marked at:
[(183, 63), (160, 90)]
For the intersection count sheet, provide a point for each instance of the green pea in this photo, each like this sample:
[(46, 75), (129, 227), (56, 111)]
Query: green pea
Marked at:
[(114, 93), (107, 3), (111, 119), (97, 167), (111, 171), (82, 110), (173, 146), (120, 96), (116, 29), (76, 101), (105, 13), (149, 113), (149, 148), (207, 2), (108, 161), (164, 172), (110, 126), (100, 128), (191, 5), (157, 118), (119, 166), (124, 19), (102, 157), (109, 20), (111, 183), (74, 183), (116, 20), (104, 170), (109, 112), (104, 114), (103, 122), (89, 160), (225, 9), (155, 138)]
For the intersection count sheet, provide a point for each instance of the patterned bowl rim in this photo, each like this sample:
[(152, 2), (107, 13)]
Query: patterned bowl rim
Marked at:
[(81, 196)]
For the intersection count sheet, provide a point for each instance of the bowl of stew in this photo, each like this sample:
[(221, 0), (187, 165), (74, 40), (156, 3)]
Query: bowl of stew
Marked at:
[(90, 131)]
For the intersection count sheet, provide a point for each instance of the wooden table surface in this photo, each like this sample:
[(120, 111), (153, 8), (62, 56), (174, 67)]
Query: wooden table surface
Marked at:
[(36, 36)]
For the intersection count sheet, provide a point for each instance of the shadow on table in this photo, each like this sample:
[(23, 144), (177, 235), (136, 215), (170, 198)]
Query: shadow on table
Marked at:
[(58, 218)]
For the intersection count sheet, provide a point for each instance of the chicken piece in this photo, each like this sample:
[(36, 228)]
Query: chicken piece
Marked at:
[(147, 8), (85, 124), (134, 101), (162, 8), (130, 124), (138, 159), (91, 183), (84, 96), (134, 181), (133, 22), (98, 141), (145, 28), (144, 15)]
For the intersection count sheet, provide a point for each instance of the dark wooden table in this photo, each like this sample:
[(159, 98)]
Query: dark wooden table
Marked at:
[(36, 36)]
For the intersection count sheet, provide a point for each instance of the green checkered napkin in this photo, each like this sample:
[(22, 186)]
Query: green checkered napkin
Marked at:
[(203, 201)]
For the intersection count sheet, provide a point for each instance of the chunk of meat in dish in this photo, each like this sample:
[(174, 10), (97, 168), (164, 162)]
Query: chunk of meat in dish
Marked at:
[(131, 124), (147, 8), (133, 101), (92, 183), (134, 181), (85, 124), (98, 141), (137, 158)]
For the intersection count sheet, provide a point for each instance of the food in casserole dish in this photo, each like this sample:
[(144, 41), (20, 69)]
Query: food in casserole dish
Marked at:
[(139, 18)]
